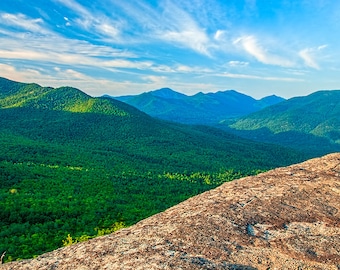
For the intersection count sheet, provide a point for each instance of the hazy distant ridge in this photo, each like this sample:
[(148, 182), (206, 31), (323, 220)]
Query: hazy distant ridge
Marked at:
[(200, 108)]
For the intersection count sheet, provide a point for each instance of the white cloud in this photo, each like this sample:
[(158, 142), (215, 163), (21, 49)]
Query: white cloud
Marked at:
[(252, 46), (297, 72), (256, 77), (322, 47), (74, 59), (23, 54), (166, 22), (238, 64), (50, 47), (181, 28), (220, 35), (121, 63), (162, 68), (10, 72), (90, 21), (192, 69), (306, 55), (309, 56), (23, 22), (193, 38), (156, 80), (67, 21), (183, 68)]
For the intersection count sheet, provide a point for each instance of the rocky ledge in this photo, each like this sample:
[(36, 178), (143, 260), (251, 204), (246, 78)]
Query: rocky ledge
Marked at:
[(287, 218)]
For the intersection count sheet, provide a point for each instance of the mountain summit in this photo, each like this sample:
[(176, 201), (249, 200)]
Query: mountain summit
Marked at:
[(167, 93), (287, 218)]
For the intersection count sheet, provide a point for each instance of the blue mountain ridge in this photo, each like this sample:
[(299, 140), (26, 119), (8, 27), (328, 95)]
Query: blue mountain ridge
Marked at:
[(201, 108)]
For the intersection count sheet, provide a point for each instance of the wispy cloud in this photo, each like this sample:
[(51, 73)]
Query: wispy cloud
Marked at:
[(23, 22), (96, 22), (23, 75), (166, 22), (309, 56), (193, 69), (189, 37), (251, 45), (158, 80), (256, 77), (220, 35), (44, 45), (181, 28), (70, 58), (238, 63)]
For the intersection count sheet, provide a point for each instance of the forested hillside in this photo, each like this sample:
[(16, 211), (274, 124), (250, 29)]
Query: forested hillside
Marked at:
[(310, 124), (75, 165)]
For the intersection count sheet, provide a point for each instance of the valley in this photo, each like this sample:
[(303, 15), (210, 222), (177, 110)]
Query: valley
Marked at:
[(74, 166)]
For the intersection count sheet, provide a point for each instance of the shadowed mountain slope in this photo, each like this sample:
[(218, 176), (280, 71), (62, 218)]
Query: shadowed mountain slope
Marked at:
[(287, 218)]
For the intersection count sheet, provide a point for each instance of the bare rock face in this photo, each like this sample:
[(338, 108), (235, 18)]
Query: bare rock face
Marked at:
[(287, 218)]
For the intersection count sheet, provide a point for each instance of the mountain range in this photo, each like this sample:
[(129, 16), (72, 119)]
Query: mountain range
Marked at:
[(308, 123), (73, 166), (210, 108)]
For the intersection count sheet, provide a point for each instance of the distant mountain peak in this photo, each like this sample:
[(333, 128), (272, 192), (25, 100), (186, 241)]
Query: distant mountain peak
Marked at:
[(230, 91), (167, 93), (270, 100)]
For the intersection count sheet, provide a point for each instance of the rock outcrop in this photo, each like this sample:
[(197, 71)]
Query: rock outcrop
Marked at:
[(287, 218)]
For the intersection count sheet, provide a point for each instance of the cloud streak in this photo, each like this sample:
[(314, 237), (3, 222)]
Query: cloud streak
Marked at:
[(166, 23), (23, 22), (98, 23), (251, 45), (184, 30), (309, 56), (256, 77)]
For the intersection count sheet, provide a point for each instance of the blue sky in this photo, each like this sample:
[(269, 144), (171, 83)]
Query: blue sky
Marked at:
[(257, 47)]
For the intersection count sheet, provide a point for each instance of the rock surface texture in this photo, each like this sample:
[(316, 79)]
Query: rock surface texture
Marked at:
[(287, 218)]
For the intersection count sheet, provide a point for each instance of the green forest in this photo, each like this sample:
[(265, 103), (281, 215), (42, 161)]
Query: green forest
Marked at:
[(73, 167)]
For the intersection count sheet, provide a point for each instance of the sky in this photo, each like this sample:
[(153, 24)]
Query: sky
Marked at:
[(256, 47)]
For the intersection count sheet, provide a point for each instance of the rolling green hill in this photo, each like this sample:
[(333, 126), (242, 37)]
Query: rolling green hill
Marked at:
[(78, 165), (310, 123), (67, 99)]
